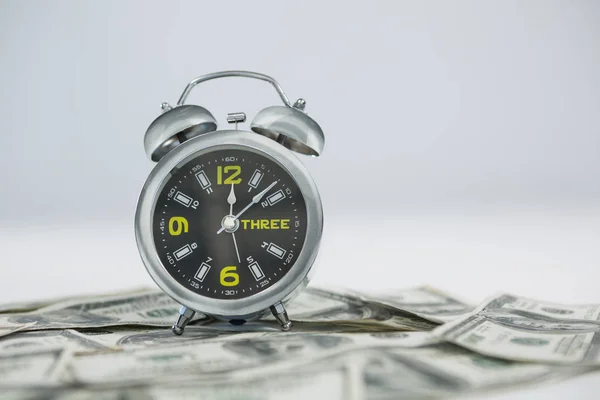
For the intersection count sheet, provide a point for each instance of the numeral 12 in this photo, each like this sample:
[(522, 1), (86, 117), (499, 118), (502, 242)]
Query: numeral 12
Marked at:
[(235, 170)]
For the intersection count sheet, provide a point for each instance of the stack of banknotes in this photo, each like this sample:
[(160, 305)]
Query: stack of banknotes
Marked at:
[(414, 343)]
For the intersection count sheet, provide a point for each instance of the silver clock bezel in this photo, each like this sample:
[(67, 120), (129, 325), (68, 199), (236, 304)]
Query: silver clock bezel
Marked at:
[(298, 275)]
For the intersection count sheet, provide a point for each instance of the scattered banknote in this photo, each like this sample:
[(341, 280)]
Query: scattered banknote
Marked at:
[(25, 306), (39, 367), (534, 308), (517, 328), (317, 305), (148, 308), (443, 370), (425, 302), (412, 343), (38, 340), (16, 328), (329, 381), (130, 337), (242, 354), (333, 382)]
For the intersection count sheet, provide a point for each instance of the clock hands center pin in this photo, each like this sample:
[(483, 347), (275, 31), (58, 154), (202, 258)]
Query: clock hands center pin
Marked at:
[(256, 199)]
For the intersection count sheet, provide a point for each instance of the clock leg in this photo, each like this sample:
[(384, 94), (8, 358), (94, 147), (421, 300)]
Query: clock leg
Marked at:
[(281, 316), (185, 316)]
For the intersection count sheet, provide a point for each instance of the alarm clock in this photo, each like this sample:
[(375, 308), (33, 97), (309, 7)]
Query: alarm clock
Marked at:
[(229, 222)]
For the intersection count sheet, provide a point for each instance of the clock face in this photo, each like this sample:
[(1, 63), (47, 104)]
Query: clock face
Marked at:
[(229, 224)]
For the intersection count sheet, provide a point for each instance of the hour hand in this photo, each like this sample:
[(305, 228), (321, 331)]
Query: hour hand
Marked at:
[(231, 199)]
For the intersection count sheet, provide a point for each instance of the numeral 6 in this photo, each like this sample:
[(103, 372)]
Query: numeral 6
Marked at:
[(229, 277)]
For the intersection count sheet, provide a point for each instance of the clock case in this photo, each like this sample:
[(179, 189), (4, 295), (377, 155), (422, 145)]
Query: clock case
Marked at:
[(187, 131)]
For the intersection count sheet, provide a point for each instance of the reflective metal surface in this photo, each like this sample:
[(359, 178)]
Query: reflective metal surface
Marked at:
[(253, 306), (175, 126), (185, 316), (288, 125), (240, 74), (291, 128), (280, 314)]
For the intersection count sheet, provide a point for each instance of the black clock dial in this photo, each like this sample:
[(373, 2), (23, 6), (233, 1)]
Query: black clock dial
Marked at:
[(195, 224)]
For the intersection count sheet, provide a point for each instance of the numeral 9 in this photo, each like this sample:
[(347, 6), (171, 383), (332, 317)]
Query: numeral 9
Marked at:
[(235, 171), (177, 225), (229, 277)]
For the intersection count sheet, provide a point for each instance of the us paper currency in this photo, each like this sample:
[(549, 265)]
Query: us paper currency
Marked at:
[(238, 355), (317, 305), (41, 367), (527, 307), (130, 337), (25, 306), (516, 328), (243, 354), (149, 308), (34, 341), (344, 345), (69, 393), (16, 328), (331, 381), (443, 370), (425, 302), (270, 325), (125, 337)]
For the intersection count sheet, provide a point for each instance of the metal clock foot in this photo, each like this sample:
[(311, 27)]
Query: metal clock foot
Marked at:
[(281, 316), (185, 316)]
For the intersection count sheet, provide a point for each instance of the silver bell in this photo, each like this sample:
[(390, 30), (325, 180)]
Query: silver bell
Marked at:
[(290, 127), (175, 126)]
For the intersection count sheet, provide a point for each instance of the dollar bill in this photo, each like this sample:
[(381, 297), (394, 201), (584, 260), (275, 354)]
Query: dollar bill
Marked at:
[(426, 302), (31, 305), (132, 337), (24, 306), (344, 344), (129, 337), (149, 308), (515, 328), (16, 328), (33, 341), (436, 370), (319, 305), (443, 370), (269, 366), (240, 355), (534, 308), (313, 310), (331, 381), (70, 393), (27, 368)]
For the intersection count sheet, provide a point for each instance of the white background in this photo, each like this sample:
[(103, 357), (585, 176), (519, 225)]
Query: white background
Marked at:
[(462, 138)]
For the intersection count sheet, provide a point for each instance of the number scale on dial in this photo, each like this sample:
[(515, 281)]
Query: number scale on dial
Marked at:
[(254, 249)]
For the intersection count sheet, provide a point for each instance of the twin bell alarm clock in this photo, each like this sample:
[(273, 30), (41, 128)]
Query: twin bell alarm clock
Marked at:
[(229, 221)]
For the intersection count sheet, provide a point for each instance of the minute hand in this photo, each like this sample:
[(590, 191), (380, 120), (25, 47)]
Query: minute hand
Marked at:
[(255, 199)]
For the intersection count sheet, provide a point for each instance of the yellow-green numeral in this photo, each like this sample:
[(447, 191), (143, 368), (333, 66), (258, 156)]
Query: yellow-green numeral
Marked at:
[(229, 277), (235, 170), (178, 225)]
